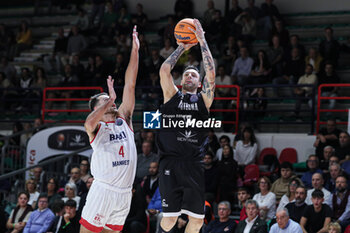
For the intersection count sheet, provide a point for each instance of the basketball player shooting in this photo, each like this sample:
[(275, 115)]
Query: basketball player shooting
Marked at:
[(181, 150), (113, 162)]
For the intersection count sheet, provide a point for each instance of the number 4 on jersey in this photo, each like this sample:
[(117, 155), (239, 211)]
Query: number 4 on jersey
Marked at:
[(121, 151)]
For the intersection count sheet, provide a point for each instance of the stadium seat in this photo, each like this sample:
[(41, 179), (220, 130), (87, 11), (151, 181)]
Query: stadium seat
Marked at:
[(288, 155), (251, 174), (264, 152)]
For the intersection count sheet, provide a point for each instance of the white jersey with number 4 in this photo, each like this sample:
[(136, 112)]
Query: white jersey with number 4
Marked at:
[(114, 156)]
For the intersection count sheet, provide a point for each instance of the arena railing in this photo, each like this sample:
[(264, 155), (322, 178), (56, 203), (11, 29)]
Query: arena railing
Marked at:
[(279, 121), (320, 110), (46, 99)]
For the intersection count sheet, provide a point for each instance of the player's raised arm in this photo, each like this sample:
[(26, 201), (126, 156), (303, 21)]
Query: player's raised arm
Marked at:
[(166, 79), (126, 109), (96, 115), (208, 87)]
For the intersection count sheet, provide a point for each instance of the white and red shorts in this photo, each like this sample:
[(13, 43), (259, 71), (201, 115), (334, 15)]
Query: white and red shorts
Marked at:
[(106, 207)]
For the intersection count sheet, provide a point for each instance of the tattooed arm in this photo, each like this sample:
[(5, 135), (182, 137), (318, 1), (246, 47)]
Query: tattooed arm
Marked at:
[(166, 79), (208, 87)]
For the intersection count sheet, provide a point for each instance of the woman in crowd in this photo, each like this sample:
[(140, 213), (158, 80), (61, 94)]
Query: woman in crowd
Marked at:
[(23, 38), (20, 215), (85, 170), (71, 193), (261, 70), (266, 199), (52, 187), (246, 148), (290, 195), (31, 189)]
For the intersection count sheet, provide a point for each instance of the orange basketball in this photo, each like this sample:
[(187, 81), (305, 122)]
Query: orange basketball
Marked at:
[(182, 32)]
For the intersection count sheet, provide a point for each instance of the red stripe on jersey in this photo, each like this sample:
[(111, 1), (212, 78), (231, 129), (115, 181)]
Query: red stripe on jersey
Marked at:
[(96, 133), (89, 226), (115, 227)]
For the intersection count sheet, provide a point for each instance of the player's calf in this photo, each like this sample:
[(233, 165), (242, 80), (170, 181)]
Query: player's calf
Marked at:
[(167, 224), (194, 225)]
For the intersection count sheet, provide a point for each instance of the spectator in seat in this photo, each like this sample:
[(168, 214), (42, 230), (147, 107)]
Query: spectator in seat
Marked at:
[(275, 55), (75, 177), (224, 223), (242, 68), (167, 32), (167, 50), (140, 18), (97, 10), (229, 53), (8, 69), (222, 79), (52, 62), (41, 219), (223, 140), (216, 31), (81, 20), (313, 166), (69, 222), (330, 177), (317, 216), (270, 10), (211, 174), (248, 25), (109, 20), (213, 142), (78, 69), (208, 13), (261, 72), (144, 160), (243, 195), (83, 197), (284, 223), (23, 38), (70, 191), (33, 194), (329, 47), (252, 224), (305, 91), (328, 151), (183, 9), (334, 227), (235, 10), (246, 149), (343, 151), (315, 59), (340, 202), (327, 136), (84, 170), (20, 214), (282, 185), (282, 33), (266, 199), (150, 184), (76, 45), (156, 61), (136, 220), (296, 209), (155, 209), (40, 178), (317, 183), (290, 195), (52, 195), (294, 42)]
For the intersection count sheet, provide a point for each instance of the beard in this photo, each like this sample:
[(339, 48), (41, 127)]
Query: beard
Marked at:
[(341, 190), (111, 110)]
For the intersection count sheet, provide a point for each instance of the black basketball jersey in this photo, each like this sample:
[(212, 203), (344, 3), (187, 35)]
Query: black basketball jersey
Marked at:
[(182, 135)]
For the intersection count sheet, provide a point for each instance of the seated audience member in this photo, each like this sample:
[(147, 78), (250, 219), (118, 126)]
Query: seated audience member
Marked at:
[(52, 187), (144, 159), (284, 223), (69, 222), (294, 43), (242, 195), (75, 178), (227, 168), (252, 224), (296, 209), (330, 178), (282, 185), (246, 149), (317, 183), (223, 140), (329, 47), (150, 184), (343, 151), (213, 142), (313, 166), (317, 216), (328, 151), (334, 227), (224, 223), (136, 220), (155, 208), (280, 31), (84, 170), (41, 219), (39, 178), (340, 202), (304, 91), (327, 136), (275, 55), (265, 199), (261, 72), (248, 25), (222, 79), (211, 177), (314, 59), (58, 207), (167, 50), (31, 189), (20, 214), (290, 195), (242, 68), (71, 193)]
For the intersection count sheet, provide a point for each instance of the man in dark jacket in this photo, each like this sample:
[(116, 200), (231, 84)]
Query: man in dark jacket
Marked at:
[(69, 222), (252, 224)]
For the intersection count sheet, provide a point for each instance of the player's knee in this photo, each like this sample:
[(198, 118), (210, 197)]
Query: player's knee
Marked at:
[(168, 223)]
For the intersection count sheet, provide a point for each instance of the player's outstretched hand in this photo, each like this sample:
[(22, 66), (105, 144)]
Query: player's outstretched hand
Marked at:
[(110, 84), (186, 46), (135, 39), (199, 32)]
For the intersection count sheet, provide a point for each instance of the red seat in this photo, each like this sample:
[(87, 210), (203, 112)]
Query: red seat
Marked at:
[(264, 152), (288, 155), (251, 174), (347, 230)]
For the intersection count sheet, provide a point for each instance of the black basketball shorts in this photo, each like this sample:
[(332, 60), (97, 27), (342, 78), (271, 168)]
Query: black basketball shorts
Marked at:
[(182, 187)]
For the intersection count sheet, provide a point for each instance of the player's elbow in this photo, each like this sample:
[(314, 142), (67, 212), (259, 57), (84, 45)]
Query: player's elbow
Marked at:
[(165, 69)]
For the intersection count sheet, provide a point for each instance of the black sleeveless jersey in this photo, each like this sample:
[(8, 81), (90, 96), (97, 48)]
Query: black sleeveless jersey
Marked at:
[(182, 135)]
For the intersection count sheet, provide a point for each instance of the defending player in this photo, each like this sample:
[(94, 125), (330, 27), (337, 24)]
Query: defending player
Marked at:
[(113, 162), (181, 174)]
